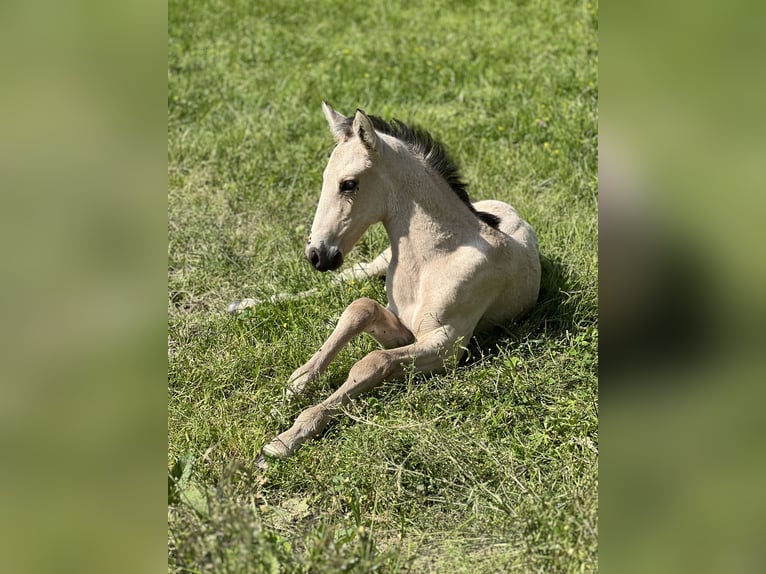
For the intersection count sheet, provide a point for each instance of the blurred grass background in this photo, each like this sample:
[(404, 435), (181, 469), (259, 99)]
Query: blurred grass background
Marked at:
[(681, 196), (83, 226)]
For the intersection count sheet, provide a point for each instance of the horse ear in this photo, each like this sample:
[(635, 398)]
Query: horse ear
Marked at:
[(363, 127), (338, 122)]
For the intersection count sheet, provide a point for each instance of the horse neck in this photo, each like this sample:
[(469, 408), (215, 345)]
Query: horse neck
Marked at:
[(424, 213)]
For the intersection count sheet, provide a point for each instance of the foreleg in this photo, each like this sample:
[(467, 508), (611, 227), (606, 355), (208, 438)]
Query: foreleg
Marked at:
[(426, 356), (363, 315)]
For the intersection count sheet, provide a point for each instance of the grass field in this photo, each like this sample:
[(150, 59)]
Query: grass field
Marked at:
[(490, 467)]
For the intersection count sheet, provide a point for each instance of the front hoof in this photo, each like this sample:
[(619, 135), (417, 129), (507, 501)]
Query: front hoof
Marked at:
[(276, 449), (239, 306), (297, 383)]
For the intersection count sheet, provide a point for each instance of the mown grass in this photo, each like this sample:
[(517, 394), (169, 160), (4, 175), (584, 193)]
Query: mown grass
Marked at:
[(490, 467)]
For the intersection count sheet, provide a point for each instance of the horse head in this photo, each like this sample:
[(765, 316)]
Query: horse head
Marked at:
[(351, 199)]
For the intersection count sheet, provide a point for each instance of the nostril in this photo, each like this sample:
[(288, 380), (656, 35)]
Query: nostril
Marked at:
[(313, 257), (337, 260)]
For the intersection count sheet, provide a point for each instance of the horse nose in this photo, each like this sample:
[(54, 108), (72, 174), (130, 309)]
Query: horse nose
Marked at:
[(324, 258)]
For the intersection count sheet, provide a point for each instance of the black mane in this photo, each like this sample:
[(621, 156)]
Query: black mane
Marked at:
[(433, 152)]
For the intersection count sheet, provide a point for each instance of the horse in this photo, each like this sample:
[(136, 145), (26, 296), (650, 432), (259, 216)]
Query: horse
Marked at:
[(452, 267)]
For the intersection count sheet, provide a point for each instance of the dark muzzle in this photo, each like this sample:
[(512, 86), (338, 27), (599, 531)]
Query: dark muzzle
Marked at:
[(324, 258)]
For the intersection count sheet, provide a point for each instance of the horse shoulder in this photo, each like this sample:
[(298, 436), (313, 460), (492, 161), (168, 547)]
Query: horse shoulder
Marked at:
[(453, 291)]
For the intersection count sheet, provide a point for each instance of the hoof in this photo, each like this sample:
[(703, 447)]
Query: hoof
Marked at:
[(261, 462), (297, 383), (237, 306), (276, 449), (294, 390)]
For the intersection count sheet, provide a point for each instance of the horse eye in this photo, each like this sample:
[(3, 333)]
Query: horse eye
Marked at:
[(348, 185)]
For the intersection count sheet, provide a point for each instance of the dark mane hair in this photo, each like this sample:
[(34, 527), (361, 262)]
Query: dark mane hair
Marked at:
[(433, 152)]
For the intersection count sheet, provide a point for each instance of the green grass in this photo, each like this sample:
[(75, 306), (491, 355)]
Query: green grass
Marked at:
[(490, 467)]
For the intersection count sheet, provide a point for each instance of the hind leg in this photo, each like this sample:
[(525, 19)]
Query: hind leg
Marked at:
[(363, 315), (375, 268)]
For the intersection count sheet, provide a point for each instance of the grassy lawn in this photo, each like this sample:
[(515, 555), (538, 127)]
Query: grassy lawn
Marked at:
[(490, 467)]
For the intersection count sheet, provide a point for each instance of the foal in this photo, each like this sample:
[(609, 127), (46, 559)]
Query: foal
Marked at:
[(452, 265)]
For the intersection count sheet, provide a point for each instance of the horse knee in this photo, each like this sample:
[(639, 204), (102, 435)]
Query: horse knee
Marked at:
[(364, 305), (360, 312), (375, 366)]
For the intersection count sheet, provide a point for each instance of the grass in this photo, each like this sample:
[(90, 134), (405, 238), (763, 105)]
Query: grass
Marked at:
[(490, 467)]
